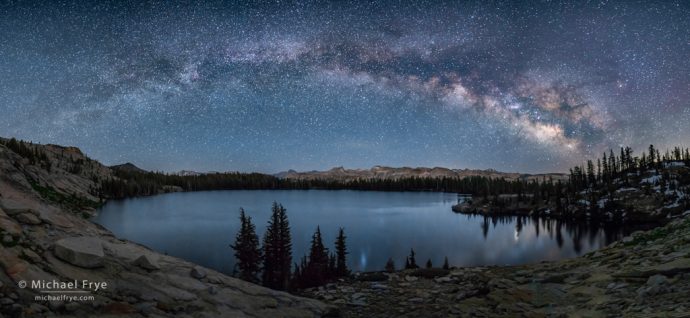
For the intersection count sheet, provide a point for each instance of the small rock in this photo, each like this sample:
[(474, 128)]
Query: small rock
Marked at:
[(7, 239), (36, 308), (379, 286), (357, 295), (416, 300), (6, 301), (357, 303), (443, 279), (145, 308), (56, 305), (147, 261), (213, 290), (657, 280), (119, 308), (346, 289), (627, 239), (198, 272), (85, 252), (72, 306), (28, 218), (31, 255), (16, 310), (410, 278)]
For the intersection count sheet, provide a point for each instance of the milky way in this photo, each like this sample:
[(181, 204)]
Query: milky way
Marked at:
[(516, 87)]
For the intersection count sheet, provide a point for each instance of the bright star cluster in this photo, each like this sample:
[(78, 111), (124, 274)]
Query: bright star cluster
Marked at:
[(270, 86)]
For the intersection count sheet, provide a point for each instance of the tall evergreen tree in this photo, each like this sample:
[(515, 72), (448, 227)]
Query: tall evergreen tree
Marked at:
[(277, 250), (332, 269), (247, 251), (605, 169), (591, 177), (445, 263), (316, 272), (341, 269), (411, 261)]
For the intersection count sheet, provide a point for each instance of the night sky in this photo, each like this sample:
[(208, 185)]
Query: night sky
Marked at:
[(311, 85)]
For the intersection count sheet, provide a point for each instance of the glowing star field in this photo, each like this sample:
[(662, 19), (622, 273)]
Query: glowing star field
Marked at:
[(311, 85)]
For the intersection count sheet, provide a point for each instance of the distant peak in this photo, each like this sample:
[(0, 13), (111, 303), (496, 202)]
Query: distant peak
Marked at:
[(128, 166)]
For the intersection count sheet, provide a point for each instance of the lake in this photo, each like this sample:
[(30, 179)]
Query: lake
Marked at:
[(200, 226)]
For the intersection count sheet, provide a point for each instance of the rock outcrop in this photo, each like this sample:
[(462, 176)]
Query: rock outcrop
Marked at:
[(46, 238), (147, 261), (84, 252)]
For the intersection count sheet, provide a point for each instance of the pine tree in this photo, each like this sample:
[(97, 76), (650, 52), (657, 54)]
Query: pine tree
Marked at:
[(390, 265), (332, 267), (315, 273), (247, 251), (429, 264), (612, 164), (277, 250), (605, 169), (591, 178), (341, 269), (445, 263), (411, 262)]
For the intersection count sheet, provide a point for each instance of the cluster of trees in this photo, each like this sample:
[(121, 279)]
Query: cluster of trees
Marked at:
[(411, 263), (36, 155), (612, 167), (595, 181), (27, 150), (137, 183), (321, 266), (271, 264)]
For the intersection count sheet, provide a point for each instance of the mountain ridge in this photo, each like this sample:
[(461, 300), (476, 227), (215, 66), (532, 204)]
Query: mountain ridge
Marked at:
[(385, 172)]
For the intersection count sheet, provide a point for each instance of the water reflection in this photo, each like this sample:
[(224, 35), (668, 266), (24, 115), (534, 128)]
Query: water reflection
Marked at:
[(199, 226), (595, 233)]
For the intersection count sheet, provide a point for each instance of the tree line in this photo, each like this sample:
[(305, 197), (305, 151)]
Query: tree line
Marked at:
[(271, 262)]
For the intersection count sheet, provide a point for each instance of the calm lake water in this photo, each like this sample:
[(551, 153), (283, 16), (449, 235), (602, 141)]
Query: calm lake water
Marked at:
[(199, 226)]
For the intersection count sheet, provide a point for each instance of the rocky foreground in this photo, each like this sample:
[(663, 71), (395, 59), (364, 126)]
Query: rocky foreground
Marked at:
[(45, 237), (646, 274)]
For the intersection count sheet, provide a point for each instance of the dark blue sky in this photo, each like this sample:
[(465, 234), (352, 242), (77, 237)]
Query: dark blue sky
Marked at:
[(310, 85)]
